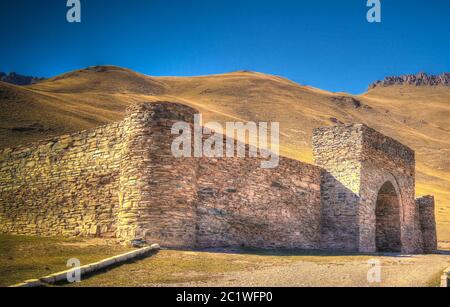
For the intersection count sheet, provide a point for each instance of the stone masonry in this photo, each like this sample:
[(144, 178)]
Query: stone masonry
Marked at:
[(369, 178), (427, 223), (122, 181)]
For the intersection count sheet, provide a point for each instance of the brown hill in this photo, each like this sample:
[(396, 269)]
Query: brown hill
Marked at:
[(417, 116)]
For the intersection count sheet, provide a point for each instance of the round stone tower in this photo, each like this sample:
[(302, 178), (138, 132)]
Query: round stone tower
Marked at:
[(157, 190)]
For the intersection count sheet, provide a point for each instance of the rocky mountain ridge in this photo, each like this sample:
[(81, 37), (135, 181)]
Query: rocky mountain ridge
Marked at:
[(18, 79), (420, 79)]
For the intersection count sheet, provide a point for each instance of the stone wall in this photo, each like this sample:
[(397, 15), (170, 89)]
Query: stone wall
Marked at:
[(428, 223), (385, 160), (62, 186), (337, 150), (241, 204), (123, 181), (158, 191)]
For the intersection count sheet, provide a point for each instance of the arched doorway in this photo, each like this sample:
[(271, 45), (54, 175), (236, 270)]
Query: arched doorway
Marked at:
[(388, 233)]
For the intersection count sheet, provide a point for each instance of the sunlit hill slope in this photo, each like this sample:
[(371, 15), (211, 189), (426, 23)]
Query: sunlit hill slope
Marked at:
[(418, 116)]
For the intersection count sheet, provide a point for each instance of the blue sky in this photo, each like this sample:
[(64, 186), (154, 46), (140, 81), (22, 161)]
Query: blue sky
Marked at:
[(324, 43)]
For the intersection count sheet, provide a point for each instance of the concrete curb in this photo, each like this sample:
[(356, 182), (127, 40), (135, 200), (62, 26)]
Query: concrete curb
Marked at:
[(87, 269), (445, 278)]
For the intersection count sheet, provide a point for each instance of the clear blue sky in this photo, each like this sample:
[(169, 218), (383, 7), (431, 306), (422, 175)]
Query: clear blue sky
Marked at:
[(323, 43)]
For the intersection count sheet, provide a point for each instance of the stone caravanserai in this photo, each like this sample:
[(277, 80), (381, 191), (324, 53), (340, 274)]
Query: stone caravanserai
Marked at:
[(122, 181)]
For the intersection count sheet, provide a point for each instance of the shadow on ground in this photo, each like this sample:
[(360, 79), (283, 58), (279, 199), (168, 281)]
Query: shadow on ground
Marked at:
[(297, 252)]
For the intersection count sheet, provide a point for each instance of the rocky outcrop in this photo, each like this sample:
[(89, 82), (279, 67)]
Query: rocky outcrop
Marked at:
[(350, 102), (17, 79), (420, 79)]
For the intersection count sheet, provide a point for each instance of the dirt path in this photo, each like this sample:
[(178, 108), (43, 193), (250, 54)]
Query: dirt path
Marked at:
[(396, 271)]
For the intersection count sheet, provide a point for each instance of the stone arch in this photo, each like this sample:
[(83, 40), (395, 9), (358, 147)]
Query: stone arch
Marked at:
[(385, 177), (382, 189), (359, 160), (388, 218)]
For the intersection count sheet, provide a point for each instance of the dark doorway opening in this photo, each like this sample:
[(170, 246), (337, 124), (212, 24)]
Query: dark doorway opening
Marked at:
[(388, 233)]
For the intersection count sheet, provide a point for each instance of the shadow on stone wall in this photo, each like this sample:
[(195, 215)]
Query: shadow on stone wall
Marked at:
[(340, 219)]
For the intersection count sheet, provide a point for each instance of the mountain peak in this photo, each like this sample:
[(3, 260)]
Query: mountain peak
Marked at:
[(420, 79), (17, 79)]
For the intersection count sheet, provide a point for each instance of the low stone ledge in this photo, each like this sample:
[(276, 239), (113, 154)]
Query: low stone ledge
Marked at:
[(32, 283), (445, 278), (87, 269)]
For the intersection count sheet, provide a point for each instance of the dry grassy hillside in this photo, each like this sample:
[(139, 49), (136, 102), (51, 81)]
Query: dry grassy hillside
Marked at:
[(417, 116)]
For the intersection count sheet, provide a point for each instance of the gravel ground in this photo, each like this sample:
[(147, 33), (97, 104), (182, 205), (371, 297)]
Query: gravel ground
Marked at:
[(396, 271)]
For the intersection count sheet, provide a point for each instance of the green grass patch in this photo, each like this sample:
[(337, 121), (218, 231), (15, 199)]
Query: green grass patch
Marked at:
[(24, 257)]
